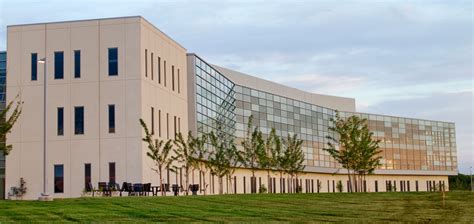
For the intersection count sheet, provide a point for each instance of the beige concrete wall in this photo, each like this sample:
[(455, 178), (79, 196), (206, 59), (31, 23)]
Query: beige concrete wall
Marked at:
[(161, 96), (324, 179), (94, 90)]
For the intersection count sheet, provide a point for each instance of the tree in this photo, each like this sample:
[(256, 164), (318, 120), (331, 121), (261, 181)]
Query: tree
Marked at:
[(280, 162), (199, 158), (217, 161), (235, 158), (294, 157), (253, 145), (6, 124), (268, 158), (185, 155), (353, 146), (158, 152)]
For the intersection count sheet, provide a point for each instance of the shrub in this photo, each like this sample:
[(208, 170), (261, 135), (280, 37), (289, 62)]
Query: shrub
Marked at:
[(262, 189)]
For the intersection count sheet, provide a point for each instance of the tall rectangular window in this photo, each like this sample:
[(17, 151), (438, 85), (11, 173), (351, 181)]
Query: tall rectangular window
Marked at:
[(113, 61), (175, 124), (159, 123), (77, 64), (179, 88), (59, 178), (87, 175), (112, 173), (179, 124), (58, 65), (152, 64), (146, 63), (172, 77), (111, 118), (79, 120), (167, 126), (34, 66), (159, 70), (164, 72), (60, 128), (152, 120)]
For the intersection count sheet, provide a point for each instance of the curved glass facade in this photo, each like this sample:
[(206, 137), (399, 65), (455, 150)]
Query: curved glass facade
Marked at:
[(406, 144), (215, 101)]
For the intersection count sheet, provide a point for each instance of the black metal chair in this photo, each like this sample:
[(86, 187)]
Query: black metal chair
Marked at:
[(90, 188), (138, 189), (103, 187), (147, 189), (194, 188), (175, 188), (124, 188)]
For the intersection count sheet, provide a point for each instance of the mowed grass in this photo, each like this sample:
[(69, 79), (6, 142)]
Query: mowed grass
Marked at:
[(323, 207)]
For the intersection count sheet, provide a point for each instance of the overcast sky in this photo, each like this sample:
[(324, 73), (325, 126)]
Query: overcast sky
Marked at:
[(404, 58)]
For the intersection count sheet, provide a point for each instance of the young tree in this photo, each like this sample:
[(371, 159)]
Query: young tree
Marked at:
[(294, 157), (199, 158), (253, 145), (185, 155), (217, 161), (281, 163), (354, 148), (235, 158), (158, 152), (6, 123), (268, 159)]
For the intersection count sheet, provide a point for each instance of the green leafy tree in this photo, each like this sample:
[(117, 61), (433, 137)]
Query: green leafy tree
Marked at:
[(200, 162), (268, 158), (235, 158), (217, 162), (158, 152), (294, 157), (7, 123), (353, 146), (185, 155), (253, 145)]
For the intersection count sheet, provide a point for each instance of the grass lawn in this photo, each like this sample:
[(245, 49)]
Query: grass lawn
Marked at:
[(359, 207)]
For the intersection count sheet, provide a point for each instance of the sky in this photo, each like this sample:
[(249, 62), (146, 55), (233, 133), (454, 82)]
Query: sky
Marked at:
[(402, 58)]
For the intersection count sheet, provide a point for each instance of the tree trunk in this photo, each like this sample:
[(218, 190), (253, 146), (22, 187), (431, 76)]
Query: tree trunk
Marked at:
[(187, 179), (221, 190), (203, 181), (350, 183), (161, 182), (269, 181), (289, 184), (281, 182)]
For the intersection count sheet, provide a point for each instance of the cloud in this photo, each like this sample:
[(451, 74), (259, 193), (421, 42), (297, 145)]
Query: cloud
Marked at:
[(386, 54)]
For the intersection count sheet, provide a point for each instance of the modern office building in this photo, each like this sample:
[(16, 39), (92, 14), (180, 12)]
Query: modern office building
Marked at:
[(80, 118)]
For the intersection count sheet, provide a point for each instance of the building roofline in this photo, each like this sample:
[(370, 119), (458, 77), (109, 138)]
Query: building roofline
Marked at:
[(99, 19)]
